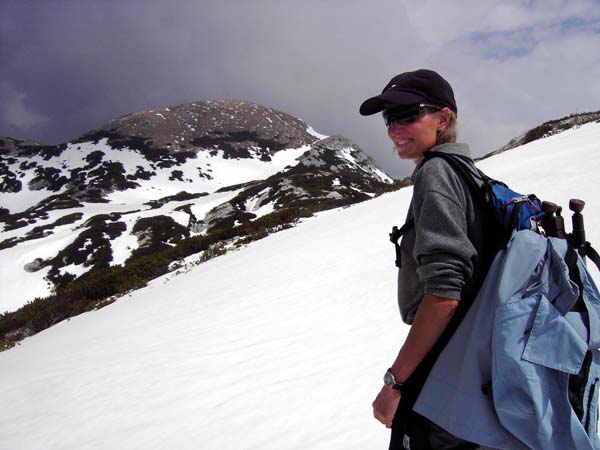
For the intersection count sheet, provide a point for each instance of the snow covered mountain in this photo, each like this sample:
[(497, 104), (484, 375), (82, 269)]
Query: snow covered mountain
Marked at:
[(145, 182), (279, 345)]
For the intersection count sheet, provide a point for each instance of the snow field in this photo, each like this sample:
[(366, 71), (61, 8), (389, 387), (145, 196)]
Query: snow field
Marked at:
[(224, 172), (247, 348), (21, 287), (279, 345)]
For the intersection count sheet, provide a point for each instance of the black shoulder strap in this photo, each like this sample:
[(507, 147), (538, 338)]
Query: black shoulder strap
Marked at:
[(591, 253), (412, 387), (395, 236), (459, 164), (480, 186)]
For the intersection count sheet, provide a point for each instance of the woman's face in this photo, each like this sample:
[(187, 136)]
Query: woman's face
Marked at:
[(413, 139)]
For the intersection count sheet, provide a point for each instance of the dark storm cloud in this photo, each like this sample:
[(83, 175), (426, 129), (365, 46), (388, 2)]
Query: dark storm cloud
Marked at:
[(69, 66), (78, 64), (73, 65)]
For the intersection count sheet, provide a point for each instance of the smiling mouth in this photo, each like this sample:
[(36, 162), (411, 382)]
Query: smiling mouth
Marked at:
[(400, 143)]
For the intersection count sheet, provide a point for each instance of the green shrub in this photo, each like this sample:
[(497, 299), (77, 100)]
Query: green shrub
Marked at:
[(101, 286), (213, 251)]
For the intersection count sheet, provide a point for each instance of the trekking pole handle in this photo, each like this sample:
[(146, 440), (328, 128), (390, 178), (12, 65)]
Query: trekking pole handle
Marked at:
[(549, 207), (394, 235), (553, 222), (576, 206)]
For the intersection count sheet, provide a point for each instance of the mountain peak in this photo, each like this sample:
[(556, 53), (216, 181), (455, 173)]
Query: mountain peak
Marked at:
[(215, 171), (234, 126)]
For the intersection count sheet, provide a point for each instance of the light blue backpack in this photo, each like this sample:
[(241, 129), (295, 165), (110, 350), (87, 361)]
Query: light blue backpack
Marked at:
[(519, 414)]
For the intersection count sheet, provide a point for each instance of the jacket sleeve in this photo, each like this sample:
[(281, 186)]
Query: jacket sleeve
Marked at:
[(443, 250)]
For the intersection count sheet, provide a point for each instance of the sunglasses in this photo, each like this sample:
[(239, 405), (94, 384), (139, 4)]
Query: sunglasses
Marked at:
[(404, 115)]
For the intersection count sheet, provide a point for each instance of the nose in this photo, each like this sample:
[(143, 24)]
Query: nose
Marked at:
[(395, 127)]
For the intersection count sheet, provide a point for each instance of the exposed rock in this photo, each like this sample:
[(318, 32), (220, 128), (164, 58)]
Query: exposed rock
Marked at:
[(186, 146), (14, 147), (238, 128), (223, 216), (157, 233), (35, 265), (8, 180), (313, 183), (179, 197), (91, 248), (547, 129)]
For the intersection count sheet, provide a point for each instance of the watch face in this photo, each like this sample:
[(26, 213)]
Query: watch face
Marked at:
[(388, 379)]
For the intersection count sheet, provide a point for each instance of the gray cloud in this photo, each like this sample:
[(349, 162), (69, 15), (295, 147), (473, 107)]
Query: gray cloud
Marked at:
[(69, 66)]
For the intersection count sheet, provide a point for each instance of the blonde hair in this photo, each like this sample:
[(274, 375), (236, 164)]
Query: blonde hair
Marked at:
[(449, 134)]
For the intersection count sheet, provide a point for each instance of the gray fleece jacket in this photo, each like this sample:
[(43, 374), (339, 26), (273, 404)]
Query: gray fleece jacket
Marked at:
[(439, 254)]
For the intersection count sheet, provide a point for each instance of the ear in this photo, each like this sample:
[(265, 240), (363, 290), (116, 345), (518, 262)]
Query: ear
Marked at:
[(443, 119)]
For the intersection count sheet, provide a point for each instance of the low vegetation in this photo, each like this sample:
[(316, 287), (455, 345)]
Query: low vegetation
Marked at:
[(101, 287), (334, 173)]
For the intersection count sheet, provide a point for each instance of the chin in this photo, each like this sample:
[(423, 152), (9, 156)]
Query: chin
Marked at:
[(405, 154)]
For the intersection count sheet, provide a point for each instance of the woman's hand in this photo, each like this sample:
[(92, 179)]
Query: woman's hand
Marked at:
[(385, 405), (431, 319)]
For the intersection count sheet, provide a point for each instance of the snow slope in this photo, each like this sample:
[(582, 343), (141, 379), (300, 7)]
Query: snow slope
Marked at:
[(21, 286), (194, 195), (280, 345)]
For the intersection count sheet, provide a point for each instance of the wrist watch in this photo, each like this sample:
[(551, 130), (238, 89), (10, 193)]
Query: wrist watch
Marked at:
[(390, 381)]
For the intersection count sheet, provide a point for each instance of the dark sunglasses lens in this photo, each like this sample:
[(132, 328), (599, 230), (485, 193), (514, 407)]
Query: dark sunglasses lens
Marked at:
[(403, 116)]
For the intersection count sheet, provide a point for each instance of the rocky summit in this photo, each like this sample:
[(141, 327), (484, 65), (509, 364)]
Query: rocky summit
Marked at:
[(194, 179), (237, 128)]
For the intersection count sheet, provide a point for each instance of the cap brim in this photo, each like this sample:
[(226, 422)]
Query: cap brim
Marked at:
[(377, 104)]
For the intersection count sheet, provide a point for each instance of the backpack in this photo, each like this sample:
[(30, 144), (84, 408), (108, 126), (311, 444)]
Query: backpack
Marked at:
[(509, 211), (505, 212)]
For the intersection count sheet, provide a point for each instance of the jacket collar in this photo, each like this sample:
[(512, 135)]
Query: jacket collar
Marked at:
[(450, 148)]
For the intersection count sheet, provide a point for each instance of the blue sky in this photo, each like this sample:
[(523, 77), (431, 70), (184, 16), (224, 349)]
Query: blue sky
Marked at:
[(69, 66)]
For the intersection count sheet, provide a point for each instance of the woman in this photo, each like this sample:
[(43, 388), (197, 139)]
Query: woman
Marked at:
[(440, 254)]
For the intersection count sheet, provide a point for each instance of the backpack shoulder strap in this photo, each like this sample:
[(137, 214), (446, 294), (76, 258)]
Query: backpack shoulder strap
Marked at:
[(592, 254), (459, 164), (481, 187), (395, 236), (412, 386)]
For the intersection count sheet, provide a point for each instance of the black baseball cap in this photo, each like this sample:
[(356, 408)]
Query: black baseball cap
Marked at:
[(411, 88)]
